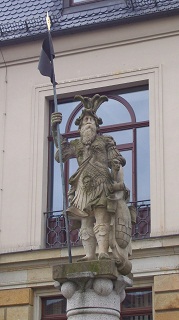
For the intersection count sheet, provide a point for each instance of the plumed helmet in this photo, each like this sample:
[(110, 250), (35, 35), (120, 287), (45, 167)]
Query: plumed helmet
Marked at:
[(90, 105)]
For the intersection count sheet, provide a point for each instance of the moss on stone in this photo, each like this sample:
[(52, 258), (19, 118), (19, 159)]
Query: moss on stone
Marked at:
[(99, 268)]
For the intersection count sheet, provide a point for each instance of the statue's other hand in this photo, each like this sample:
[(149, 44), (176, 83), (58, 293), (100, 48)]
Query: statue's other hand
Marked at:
[(56, 118)]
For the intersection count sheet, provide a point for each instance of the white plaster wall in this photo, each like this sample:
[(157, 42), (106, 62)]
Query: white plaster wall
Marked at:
[(106, 58)]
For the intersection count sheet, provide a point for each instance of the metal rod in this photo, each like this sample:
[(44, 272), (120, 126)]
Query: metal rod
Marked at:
[(61, 163)]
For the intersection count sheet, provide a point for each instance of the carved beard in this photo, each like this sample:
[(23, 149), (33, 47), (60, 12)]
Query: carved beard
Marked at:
[(88, 133)]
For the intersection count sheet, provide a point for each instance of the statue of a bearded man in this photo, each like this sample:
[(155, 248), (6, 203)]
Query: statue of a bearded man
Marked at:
[(97, 187)]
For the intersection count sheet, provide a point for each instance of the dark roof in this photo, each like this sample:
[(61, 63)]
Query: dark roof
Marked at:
[(21, 19)]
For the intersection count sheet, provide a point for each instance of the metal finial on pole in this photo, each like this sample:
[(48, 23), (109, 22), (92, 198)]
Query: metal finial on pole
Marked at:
[(48, 21)]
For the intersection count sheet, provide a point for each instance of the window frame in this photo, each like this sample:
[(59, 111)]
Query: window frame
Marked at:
[(72, 3), (137, 311), (51, 316), (55, 225), (69, 6)]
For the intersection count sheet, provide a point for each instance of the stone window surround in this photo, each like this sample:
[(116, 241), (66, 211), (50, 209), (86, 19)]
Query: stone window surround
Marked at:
[(38, 295), (51, 316), (40, 105)]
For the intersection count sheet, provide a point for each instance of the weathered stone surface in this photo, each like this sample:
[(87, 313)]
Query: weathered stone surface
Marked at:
[(171, 315), (103, 268), (166, 301), (103, 287), (166, 283), (98, 298), (39, 275), (13, 277), (16, 297), (19, 313), (2, 313)]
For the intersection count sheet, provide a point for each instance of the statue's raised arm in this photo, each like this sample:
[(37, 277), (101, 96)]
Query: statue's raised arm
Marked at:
[(67, 148)]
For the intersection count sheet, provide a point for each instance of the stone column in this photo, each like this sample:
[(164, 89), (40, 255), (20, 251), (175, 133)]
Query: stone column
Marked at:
[(94, 290)]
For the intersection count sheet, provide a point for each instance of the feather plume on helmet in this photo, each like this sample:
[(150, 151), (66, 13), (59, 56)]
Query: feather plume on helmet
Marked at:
[(90, 105)]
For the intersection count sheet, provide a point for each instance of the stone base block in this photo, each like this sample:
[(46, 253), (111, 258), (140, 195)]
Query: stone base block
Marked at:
[(102, 268)]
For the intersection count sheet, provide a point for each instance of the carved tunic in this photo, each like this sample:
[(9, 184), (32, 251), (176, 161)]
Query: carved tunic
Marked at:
[(92, 183)]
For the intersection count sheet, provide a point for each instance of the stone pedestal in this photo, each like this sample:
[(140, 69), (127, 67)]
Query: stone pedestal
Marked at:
[(94, 290)]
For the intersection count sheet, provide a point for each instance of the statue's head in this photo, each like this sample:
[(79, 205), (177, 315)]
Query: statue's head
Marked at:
[(90, 107)]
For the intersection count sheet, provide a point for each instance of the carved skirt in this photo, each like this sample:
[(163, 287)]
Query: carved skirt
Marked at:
[(92, 187)]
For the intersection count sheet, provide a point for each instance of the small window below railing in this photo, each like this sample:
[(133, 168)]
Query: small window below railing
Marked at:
[(137, 304), (54, 308)]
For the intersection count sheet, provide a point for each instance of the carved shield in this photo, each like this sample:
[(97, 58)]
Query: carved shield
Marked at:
[(123, 226)]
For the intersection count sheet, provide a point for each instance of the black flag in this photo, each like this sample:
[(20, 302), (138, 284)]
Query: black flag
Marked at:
[(47, 55)]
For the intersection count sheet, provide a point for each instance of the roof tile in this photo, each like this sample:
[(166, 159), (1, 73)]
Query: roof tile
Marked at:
[(14, 13)]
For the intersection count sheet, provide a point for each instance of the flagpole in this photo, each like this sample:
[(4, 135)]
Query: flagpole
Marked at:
[(60, 150)]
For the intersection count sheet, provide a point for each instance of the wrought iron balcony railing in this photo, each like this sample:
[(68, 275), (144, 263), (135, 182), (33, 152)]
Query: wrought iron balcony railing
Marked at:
[(56, 230), (142, 229)]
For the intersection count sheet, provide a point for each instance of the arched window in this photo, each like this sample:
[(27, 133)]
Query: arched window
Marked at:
[(126, 118)]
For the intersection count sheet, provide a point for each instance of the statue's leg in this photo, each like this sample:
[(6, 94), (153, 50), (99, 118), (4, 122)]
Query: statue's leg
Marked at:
[(101, 230), (88, 238)]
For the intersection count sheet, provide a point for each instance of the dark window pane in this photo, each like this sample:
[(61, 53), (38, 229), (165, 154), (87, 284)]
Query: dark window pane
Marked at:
[(79, 1), (54, 306), (137, 317), (137, 299), (122, 137), (66, 109), (128, 170), (139, 101), (57, 188), (137, 305), (113, 112), (143, 164)]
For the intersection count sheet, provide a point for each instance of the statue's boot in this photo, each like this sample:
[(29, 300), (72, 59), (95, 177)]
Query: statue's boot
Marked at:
[(89, 244), (102, 236)]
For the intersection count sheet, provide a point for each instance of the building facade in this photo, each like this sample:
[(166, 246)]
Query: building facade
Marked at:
[(129, 51)]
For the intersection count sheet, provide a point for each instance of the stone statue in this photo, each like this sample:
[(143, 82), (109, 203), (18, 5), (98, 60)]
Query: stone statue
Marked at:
[(98, 196)]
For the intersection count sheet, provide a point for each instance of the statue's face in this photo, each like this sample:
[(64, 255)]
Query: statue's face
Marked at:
[(88, 129), (88, 120)]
